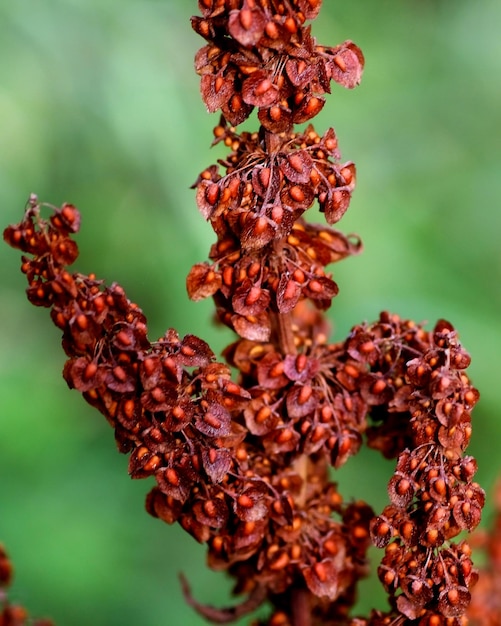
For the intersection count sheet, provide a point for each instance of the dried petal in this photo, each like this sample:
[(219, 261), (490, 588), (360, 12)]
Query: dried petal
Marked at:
[(347, 64), (322, 579), (202, 281)]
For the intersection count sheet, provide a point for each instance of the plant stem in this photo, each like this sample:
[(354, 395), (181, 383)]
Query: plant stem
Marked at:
[(284, 335), (300, 613)]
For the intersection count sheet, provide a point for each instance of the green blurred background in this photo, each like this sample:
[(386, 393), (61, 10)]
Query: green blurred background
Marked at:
[(99, 105)]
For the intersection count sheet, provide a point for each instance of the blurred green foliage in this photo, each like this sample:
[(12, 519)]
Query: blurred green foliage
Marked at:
[(99, 105)]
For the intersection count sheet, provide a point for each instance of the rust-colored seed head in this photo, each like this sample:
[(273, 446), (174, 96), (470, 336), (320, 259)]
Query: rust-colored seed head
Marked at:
[(241, 448)]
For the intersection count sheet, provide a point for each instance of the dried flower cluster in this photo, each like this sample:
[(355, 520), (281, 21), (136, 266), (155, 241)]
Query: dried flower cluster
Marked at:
[(13, 614), (245, 466), (260, 54), (267, 258), (485, 607), (432, 494)]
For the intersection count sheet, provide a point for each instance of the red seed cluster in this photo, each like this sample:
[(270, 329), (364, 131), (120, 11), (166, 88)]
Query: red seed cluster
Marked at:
[(260, 54), (13, 614), (485, 608), (266, 187), (267, 258), (302, 404), (424, 418), (183, 421), (244, 466)]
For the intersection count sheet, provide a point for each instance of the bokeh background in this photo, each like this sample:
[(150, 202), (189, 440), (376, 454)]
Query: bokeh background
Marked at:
[(99, 105)]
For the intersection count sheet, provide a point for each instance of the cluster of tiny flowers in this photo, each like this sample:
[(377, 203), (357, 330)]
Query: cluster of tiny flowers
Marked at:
[(267, 258), (244, 466), (183, 421), (485, 607), (426, 401), (13, 614), (260, 54), (301, 404)]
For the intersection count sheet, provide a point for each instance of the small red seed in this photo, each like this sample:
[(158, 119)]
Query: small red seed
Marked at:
[(453, 596), (352, 371), (212, 455), (301, 362), (280, 563), (305, 394), (217, 543), (347, 174), (123, 338), (90, 370), (432, 535), (245, 17), (379, 386), (315, 286), (440, 486), (209, 508), (119, 373), (299, 276), (278, 507), (470, 397), (228, 275), (290, 290), (339, 61), (212, 420), (158, 395), (260, 225), (271, 30), (69, 213), (326, 414), (403, 486), (212, 193), (263, 87), (290, 25), (407, 530), (277, 214), (313, 106), (320, 572), (253, 269), (99, 304), (367, 347), (277, 369), (264, 176), (82, 321), (317, 433), (275, 113), (218, 83), (296, 162), (172, 477), (253, 296), (284, 436), (152, 464), (149, 366), (245, 501), (188, 351), (128, 409), (263, 414), (296, 193)]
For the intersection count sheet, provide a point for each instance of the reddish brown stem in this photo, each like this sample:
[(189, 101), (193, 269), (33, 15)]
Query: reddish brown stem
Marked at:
[(301, 615), (284, 334), (229, 614)]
